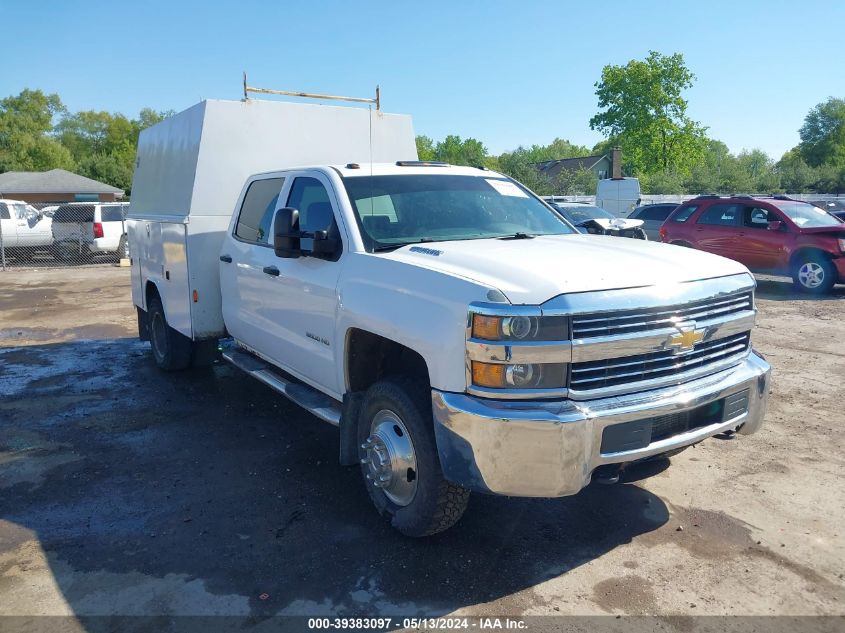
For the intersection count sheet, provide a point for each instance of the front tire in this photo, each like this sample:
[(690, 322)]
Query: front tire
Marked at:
[(814, 274), (399, 459), (171, 349)]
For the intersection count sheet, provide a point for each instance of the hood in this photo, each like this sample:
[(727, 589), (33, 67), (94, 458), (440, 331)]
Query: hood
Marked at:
[(814, 230), (532, 271)]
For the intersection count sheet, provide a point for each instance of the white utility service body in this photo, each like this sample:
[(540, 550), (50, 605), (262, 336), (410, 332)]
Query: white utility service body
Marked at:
[(620, 196), (190, 170), (495, 349)]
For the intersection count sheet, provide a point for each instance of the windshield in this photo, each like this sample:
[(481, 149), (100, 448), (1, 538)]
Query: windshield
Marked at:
[(583, 212), (807, 216), (396, 210)]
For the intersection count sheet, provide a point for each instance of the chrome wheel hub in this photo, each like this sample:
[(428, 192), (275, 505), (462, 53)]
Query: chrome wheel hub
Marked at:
[(390, 460), (811, 275)]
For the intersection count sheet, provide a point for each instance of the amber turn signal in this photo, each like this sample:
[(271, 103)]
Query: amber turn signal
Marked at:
[(487, 327), (488, 374)]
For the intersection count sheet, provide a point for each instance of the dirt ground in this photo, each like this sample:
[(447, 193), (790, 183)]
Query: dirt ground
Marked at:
[(124, 490)]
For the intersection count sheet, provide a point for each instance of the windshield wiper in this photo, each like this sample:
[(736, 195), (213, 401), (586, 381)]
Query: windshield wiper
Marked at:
[(518, 236), (389, 247)]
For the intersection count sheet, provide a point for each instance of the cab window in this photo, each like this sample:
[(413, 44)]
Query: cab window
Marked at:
[(256, 214), (4, 211), (683, 214), (720, 215), (310, 198)]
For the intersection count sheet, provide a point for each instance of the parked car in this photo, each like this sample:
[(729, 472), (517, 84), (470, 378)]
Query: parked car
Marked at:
[(653, 217), (84, 229), (24, 230), (775, 235), (834, 207), (591, 219), (458, 333)]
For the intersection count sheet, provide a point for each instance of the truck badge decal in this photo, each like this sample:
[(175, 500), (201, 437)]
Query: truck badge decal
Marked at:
[(686, 338), (319, 339)]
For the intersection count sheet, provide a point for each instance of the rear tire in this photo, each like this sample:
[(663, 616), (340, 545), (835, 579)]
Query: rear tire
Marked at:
[(814, 273), (171, 349), (399, 459)]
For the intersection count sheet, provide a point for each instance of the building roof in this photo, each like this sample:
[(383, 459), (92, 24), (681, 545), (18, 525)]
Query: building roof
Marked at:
[(53, 181), (554, 167)]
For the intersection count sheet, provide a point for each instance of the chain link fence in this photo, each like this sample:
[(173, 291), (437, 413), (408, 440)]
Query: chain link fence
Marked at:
[(57, 235)]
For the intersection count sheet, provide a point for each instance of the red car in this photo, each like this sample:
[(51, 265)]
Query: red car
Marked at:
[(775, 235)]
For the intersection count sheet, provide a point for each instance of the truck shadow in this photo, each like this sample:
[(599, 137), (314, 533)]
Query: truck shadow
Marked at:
[(204, 492)]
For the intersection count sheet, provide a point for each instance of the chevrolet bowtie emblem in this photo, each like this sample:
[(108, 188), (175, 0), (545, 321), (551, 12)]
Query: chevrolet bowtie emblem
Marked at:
[(686, 338)]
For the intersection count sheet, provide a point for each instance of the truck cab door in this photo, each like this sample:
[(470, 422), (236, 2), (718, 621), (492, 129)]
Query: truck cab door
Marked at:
[(304, 294), (284, 309)]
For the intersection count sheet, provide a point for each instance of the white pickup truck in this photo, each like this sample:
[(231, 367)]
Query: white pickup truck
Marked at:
[(461, 335), (23, 229)]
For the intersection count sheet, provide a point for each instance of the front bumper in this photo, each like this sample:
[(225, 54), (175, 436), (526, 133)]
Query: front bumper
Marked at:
[(551, 448)]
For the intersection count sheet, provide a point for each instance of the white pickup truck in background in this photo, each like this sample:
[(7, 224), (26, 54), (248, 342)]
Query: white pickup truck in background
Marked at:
[(23, 229), (460, 333)]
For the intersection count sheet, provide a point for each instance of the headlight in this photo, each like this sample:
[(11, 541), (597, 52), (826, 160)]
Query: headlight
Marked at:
[(515, 355), (520, 328), (841, 244), (519, 376)]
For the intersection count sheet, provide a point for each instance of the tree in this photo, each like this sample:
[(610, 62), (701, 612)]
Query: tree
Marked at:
[(823, 134), (103, 144), (26, 124), (457, 151), (643, 111), (425, 148)]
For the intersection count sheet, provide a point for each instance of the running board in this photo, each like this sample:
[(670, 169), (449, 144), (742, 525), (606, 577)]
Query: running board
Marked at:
[(305, 396)]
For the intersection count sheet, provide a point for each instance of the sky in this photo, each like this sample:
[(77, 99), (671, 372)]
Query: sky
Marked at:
[(506, 73)]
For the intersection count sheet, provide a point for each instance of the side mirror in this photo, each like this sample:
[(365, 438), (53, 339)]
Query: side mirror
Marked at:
[(323, 245), (776, 225), (286, 233)]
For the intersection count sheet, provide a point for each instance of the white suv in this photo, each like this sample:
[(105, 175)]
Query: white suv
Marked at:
[(84, 229)]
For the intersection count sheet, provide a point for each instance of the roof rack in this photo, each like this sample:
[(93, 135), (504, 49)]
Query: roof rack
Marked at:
[(707, 196), (311, 95), (421, 163)]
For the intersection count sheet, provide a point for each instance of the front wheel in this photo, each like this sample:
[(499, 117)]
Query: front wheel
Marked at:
[(814, 273), (399, 460)]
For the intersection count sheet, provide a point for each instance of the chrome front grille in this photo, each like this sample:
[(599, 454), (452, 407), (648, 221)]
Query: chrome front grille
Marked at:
[(663, 364), (627, 322)]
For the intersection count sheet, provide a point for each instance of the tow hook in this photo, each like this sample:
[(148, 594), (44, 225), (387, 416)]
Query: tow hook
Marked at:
[(607, 475)]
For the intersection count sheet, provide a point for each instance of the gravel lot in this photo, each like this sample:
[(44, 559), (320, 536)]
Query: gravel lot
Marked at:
[(124, 490)]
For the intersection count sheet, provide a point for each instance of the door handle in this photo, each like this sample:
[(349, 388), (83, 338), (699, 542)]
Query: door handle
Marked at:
[(226, 258), (271, 270)]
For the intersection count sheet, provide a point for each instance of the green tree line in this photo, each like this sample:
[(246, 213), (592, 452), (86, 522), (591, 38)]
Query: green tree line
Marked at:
[(37, 133), (641, 109)]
